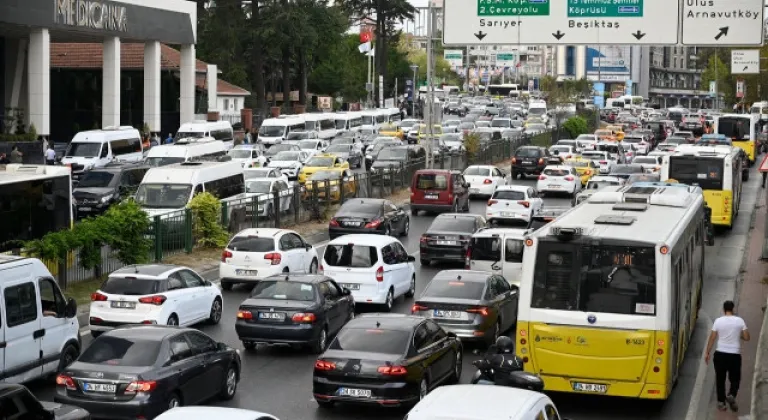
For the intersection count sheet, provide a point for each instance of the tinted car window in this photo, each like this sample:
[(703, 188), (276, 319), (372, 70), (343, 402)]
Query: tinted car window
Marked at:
[(451, 224), (485, 249), (431, 182), (509, 195), (120, 351), (556, 172), (350, 256), (251, 244), (524, 152), (514, 250), (130, 286), (455, 289), (283, 290), (357, 208), (374, 340)]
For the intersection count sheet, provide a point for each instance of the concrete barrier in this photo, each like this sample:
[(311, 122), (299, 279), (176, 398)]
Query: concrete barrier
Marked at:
[(759, 406)]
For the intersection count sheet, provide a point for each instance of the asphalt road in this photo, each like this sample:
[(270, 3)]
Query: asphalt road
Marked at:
[(278, 380)]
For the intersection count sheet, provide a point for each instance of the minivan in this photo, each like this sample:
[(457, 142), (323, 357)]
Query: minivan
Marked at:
[(275, 130), (95, 148), (186, 150), (322, 124), (219, 130), (498, 251), (439, 190)]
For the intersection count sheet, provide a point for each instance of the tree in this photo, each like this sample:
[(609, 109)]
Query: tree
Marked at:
[(718, 72)]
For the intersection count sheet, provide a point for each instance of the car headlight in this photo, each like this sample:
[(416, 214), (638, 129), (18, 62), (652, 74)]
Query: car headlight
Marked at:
[(105, 199)]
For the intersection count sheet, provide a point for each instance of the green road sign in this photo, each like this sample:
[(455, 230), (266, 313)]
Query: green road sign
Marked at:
[(513, 7), (453, 57), (505, 57), (605, 8)]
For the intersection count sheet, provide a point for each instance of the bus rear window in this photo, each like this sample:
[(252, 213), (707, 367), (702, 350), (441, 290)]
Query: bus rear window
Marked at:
[(706, 173)]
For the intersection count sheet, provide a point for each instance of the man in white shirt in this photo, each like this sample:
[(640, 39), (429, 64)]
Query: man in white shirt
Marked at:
[(728, 331), (50, 155)]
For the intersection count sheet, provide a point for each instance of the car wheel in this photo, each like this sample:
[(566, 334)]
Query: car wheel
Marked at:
[(286, 270), (414, 212), (387, 230), (216, 309), (313, 267), (225, 285), (249, 345), (423, 388), (425, 262), (406, 227), (320, 343), (457, 367), (68, 356), (229, 388), (172, 320), (174, 401), (389, 302), (412, 290)]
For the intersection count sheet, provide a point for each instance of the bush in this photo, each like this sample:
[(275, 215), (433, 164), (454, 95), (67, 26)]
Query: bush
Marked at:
[(128, 225), (575, 126), (206, 209), (472, 146)]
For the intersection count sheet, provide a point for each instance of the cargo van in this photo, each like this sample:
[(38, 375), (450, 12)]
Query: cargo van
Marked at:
[(219, 130), (275, 130), (39, 333), (322, 124), (95, 148), (186, 150), (498, 251)]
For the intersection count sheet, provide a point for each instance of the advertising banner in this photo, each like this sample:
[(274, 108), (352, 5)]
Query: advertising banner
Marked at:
[(609, 63)]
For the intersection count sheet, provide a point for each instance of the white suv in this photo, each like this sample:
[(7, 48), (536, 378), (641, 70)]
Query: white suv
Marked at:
[(376, 269)]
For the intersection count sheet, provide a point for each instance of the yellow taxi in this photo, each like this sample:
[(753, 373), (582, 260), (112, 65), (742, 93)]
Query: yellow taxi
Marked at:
[(437, 130), (391, 130), (605, 134), (618, 131), (320, 162), (585, 167), (338, 180)]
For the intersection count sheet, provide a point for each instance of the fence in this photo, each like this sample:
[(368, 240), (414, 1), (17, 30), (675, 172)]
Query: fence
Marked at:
[(173, 233)]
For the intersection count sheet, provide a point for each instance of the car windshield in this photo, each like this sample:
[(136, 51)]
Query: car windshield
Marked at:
[(508, 195), (257, 173), (321, 161), (154, 162), (407, 124), (129, 286), (287, 156), (501, 123), (325, 175), (705, 172), (359, 209), (272, 151), (188, 135), (374, 340), (172, 196), (351, 255), (537, 111), (258, 187), (560, 149), (240, 153), (299, 135), (78, 149), (341, 124), (308, 145), (588, 137), (432, 182), (596, 185), (392, 153), (119, 351), (338, 148), (96, 179), (556, 172), (477, 170), (455, 289), (283, 290), (453, 224), (645, 160), (251, 244), (272, 130), (675, 140)]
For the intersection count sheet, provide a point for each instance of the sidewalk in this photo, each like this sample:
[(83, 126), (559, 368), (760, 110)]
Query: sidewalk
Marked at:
[(751, 300)]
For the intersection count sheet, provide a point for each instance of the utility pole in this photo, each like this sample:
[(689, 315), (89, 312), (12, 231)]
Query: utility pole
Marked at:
[(430, 86)]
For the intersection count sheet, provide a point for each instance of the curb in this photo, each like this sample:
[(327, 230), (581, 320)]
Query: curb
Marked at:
[(758, 407)]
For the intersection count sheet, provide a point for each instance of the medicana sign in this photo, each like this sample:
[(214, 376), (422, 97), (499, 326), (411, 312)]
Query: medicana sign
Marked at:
[(602, 22)]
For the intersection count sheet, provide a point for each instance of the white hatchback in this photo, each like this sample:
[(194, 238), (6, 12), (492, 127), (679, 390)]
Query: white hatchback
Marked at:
[(511, 203), (602, 159), (559, 179), (253, 254), (154, 294), (376, 269), (484, 179)]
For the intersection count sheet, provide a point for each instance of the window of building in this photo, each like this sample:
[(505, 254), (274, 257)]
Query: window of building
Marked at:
[(226, 103)]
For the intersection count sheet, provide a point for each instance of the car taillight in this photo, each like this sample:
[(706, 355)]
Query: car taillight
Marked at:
[(603, 162), (141, 386), (380, 274), (373, 224), (324, 365), (541, 161), (304, 317), (542, 177), (321, 269), (98, 297), (468, 258), (569, 178), (393, 370), (524, 204), (487, 181), (333, 222), (492, 202), (423, 239), (224, 255), (481, 311), (276, 257), (66, 381), (587, 172), (244, 314), (514, 161), (153, 300), (418, 308)]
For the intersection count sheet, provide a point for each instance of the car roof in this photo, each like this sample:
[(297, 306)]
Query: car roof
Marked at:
[(200, 412), (456, 216), (474, 276), (563, 167), (146, 270), (488, 401), (392, 321), (437, 171), (605, 178), (262, 232), (363, 239)]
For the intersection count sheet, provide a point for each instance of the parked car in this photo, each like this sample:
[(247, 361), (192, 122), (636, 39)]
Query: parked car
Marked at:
[(369, 215), (437, 190)]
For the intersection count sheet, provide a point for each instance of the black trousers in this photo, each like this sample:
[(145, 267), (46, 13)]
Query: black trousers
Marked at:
[(50, 162), (727, 364)]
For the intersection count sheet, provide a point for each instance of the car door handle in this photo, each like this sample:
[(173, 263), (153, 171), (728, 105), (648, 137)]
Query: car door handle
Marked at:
[(39, 333)]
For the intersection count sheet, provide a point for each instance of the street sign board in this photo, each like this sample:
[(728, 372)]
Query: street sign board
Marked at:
[(722, 22), (712, 88), (628, 88), (505, 59), (599, 88), (740, 88), (599, 102), (324, 102), (745, 61), (567, 22), (454, 57)]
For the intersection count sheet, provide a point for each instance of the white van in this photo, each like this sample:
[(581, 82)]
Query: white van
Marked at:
[(170, 188), (373, 118), (322, 124), (168, 154), (275, 130), (96, 148), (219, 130), (538, 109), (393, 115), (488, 402), (348, 121), (499, 251), (39, 333)]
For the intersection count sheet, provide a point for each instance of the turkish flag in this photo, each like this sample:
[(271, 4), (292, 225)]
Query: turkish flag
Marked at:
[(365, 36)]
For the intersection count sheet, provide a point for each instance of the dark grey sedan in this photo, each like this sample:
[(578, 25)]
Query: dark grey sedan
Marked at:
[(348, 152)]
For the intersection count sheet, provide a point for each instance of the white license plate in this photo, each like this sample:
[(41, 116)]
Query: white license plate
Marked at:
[(554, 186), (596, 388), (474, 190), (246, 272), (353, 392), (431, 197), (123, 305), (272, 315), (450, 243), (353, 224), (507, 214), (99, 387), (85, 209), (438, 313), (350, 286)]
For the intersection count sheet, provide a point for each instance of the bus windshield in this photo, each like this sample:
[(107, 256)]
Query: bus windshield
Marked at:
[(734, 128), (704, 172), (163, 196), (599, 277)]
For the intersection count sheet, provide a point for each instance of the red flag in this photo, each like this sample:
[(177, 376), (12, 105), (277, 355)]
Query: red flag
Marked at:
[(365, 36), (519, 64)]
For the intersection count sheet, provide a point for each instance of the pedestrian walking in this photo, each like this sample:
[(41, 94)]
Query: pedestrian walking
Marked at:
[(248, 138), (16, 155), (727, 331), (50, 155)]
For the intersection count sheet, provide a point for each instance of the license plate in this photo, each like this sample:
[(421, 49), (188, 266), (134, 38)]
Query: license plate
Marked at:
[(353, 224), (85, 209), (123, 305), (447, 314), (350, 286), (596, 388), (272, 315), (431, 197), (554, 186), (474, 190), (353, 392), (246, 272), (99, 387), (507, 214), (450, 243)]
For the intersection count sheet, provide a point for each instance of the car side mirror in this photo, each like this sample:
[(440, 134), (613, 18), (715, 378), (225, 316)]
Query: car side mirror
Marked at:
[(451, 334), (345, 291), (411, 258), (221, 346), (308, 247), (70, 309)]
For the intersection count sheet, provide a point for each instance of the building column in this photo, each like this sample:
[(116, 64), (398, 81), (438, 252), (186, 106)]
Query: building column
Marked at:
[(187, 88), (152, 85), (39, 81), (110, 89), (580, 64), (212, 82), (562, 59)]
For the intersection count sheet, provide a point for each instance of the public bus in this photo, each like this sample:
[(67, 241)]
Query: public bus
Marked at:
[(608, 305), (743, 130), (717, 170), (34, 200), (511, 90)]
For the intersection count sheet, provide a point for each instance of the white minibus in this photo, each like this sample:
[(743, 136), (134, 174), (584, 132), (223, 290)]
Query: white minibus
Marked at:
[(168, 154), (322, 124), (275, 130), (348, 121), (95, 148), (219, 130)]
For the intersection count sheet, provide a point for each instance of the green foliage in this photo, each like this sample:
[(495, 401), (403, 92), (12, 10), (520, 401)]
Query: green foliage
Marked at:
[(18, 138), (472, 145), (128, 224), (542, 139), (32, 133), (206, 209), (576, 126), (717, 71)]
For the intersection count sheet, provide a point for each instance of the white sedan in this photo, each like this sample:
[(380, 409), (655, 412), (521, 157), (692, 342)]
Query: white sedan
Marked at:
[(483, 179), (289, 162), (249, 155), (254, 254), (559, 179)]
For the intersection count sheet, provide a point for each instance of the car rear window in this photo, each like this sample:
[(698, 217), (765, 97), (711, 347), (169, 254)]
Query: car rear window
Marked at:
[(454, 289), (451, 224), (120, 351), (251, 244), (130, 286), (358, 209), (555, 172), (357, 256), (485, 249), (374, 340), (509, 195), (513, 251), (283, 290), (477, 171), (528, 152), (431, 182)]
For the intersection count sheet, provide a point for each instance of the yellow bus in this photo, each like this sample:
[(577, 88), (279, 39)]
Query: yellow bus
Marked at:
[(717, 170), (610, 292), (743, 130)]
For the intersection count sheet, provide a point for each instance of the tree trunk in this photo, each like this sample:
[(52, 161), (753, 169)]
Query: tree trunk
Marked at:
[(301, 56), (286, 70), (257, 61)]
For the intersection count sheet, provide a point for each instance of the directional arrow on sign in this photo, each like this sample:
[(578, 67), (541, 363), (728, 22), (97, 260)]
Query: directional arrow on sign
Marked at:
[(723, 31), (480, 35), (638, 35), (558, 35), (746, 68)]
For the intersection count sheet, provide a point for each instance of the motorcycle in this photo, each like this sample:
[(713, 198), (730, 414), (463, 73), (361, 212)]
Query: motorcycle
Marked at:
[(505, 372)]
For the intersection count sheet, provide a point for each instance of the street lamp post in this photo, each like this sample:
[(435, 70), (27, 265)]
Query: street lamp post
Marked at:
[(415, 70)]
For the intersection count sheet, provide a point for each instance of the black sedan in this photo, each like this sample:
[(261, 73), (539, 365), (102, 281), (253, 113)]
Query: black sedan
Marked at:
[(474, 305), (295, 309), (387, 360), (348, 152), (447, 238), (142, 371), (369, 215), (17, 400)]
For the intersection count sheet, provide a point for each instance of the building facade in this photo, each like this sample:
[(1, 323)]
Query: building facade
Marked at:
[(675, 78)]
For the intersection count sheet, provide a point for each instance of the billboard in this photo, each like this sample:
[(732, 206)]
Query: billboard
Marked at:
[(609, 63)]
